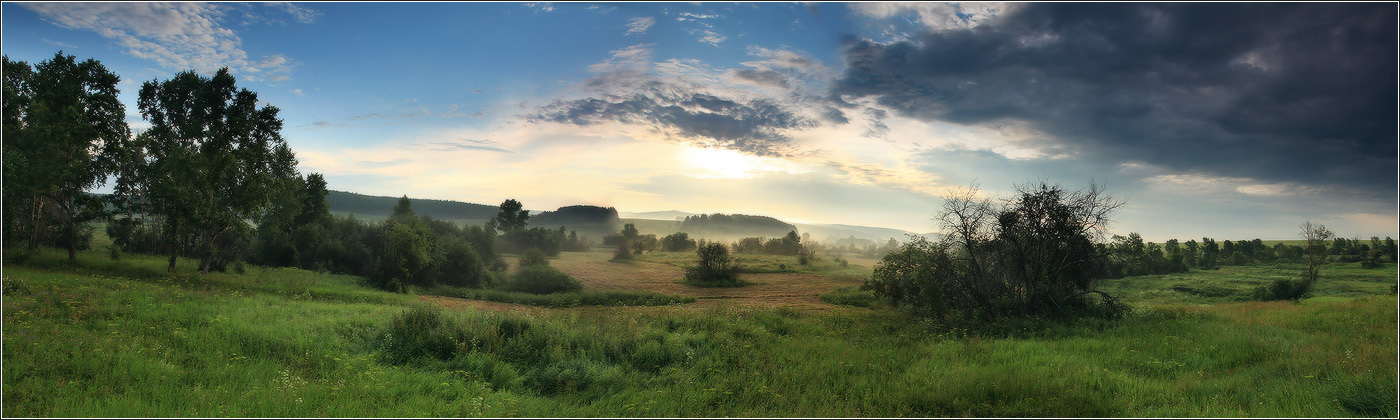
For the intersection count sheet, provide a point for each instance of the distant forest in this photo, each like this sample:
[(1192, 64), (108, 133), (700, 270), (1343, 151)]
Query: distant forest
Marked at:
[(348, 202), (735, 225)]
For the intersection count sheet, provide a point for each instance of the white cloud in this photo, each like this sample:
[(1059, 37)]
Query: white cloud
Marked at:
[(640, 25), (61, 44), (178, 36), (298, 92), (936, 16), (633, 58), (301, 14), (544, 7), (712, 38)]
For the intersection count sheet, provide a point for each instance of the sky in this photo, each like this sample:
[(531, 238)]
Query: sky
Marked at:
[(1222, 120)]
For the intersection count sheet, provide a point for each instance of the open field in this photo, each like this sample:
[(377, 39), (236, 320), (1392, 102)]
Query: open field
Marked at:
[(124, 338)]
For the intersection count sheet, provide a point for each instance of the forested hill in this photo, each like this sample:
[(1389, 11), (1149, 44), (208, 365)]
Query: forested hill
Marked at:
[(605, 217), (735, 224), (348, 202)]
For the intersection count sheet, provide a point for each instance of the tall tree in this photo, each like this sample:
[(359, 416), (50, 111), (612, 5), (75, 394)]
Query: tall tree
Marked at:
[(212, 155), (71, 125), (511, 218), (18, 190), (1315, 254)]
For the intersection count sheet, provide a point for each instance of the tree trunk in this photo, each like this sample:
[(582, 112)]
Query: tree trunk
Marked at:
[(36, 207)]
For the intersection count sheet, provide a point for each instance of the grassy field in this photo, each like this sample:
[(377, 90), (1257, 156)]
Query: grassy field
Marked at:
[(124, 338)]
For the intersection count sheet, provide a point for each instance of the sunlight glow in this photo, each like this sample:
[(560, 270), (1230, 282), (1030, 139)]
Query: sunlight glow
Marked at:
[(730, 164)]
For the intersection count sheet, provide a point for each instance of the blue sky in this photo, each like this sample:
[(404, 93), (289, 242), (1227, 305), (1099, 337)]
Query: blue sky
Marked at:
[(1224, 120)]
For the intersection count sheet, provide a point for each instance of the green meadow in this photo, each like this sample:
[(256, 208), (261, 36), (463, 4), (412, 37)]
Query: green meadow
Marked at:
[(125, 338)]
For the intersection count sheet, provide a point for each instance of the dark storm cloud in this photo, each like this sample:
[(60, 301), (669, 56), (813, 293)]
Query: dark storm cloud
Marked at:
[(1299, 92), (750, 126), (765, 77)]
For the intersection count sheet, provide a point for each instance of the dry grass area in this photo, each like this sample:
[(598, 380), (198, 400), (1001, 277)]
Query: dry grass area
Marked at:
[(796, 291)]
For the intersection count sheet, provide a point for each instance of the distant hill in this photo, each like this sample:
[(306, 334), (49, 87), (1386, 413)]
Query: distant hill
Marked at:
[(728, 225), (573, 216), (597, 221), (658, 215), (348, 202)]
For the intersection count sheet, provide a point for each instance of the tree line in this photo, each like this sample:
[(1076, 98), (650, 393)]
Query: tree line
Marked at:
[(213, 179)]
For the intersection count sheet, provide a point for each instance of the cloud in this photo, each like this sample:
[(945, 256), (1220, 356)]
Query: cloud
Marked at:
[(301, 14), (464, 144), (711, 37), (753, 127), (639, 25), (178, 36), (635, 58), (936, 16), (762, 77), (376, 164), (543, 7), (61, 44), (1282, 94), (298, 92)]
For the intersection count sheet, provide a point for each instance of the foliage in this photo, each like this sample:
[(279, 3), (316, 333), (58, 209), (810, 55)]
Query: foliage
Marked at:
[(510, 218), (533, 257), (678, 242), (292, 343), (713, 268), (209, 159), (64, 127), (1033, 256), (543, 279)]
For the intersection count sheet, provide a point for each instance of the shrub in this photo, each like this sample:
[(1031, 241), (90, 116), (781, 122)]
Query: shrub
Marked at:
[(533, 257), (624, 250), (461, 266), (678, 242), (419, 333), (714, 268), (543, 279)]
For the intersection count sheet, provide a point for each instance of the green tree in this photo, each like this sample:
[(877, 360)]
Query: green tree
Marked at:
[(20, 192), (212, 155), (67, 133), (1035, 257), (714, 267), (511, 218), (678, 242)]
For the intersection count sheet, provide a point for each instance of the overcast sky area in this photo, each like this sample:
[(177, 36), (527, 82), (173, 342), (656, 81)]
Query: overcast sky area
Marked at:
[(1226, 120)]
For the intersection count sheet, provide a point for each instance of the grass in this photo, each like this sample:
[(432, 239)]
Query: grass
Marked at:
[(564, 299), (125, 339), (1237, 283)]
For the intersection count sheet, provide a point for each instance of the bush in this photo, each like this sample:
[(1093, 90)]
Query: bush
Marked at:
[(714, 268), (460, 266), (533, 257), (1284, 289), (418, 334), (678, 242), (624, 250), (543, 279)]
